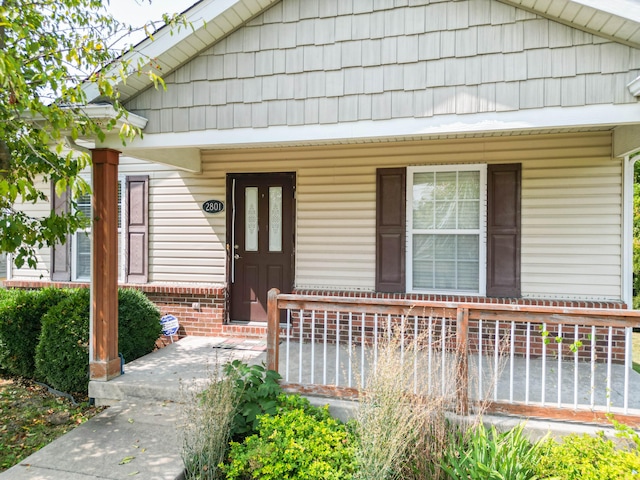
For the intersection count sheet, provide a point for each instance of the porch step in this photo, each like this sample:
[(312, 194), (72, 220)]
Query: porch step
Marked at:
[(169, 373)]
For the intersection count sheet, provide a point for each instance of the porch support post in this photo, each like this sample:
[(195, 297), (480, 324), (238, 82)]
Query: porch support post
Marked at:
[(273, 329), (462, 347), (104, 363)]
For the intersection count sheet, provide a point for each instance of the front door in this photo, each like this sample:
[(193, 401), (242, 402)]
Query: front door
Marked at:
[(261, 244)]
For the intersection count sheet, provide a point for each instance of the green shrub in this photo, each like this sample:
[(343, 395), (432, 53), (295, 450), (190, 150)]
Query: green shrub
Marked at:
[(62, 356), (21, 313), (294, 445), (481, 454), (587, 458), (138, 324), (257, 390)]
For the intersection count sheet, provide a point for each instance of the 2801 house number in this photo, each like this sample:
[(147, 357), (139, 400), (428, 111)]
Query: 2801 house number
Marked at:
[(213, 206)]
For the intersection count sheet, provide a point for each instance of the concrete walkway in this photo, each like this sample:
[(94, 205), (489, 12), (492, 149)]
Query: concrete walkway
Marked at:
[(137, 437)]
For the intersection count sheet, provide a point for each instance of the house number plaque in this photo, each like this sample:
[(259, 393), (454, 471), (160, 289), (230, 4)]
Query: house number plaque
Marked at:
[(213, 206)]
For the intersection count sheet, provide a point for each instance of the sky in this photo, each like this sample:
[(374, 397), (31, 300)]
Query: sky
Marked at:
[(139, 12)]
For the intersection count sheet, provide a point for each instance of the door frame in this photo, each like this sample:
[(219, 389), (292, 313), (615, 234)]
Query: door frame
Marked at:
[(230, 183)]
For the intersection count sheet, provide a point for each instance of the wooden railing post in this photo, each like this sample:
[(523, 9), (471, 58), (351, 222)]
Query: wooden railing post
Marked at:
[(462, 373), (273, 329)]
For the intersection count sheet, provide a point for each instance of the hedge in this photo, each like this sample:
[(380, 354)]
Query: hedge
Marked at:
[(21, 312), (62, 355)]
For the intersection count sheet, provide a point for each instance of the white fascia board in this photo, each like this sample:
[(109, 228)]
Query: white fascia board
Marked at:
[(166, 38), (99, 112), (523, 120)]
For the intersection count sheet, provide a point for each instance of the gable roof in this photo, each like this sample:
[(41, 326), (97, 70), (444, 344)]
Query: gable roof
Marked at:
[(211, 20)]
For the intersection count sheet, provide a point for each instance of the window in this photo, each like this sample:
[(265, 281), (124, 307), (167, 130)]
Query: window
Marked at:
[(451, 229), (81, 240), (445, 229)]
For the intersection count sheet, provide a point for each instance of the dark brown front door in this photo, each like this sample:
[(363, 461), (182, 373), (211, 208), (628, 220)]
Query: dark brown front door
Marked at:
[(261, 242)]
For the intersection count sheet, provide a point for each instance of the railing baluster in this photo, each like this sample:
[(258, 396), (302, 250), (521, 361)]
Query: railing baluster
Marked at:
[(443, 347), (575, 367), (350, 348), (480, 372), (362, 342), (375, 341), (544, 366), (609, 362), (415, 354), (324, 353), (337, 348), (430, 354), (628, 345), (559, 344), (289, 328), (402, 332), (313, 346), (300, 346), (527, 365), (593, 366), (496, 354), (512, 359)]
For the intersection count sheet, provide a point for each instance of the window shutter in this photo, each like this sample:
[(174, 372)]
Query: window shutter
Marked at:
[(137, 229), (60, 253), (503, 230), (390, 229)]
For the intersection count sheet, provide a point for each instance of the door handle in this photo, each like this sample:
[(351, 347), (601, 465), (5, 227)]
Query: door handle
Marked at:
[(236, 256)]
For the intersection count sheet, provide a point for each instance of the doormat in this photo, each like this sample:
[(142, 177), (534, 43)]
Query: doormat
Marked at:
[(242, 344)]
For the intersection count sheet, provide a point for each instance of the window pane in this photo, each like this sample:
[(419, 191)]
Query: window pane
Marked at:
[(423, 256), (468, 262), (275, 219), (446, 185), (3, 265), (83, 255), (84, 205), (119, 204), (251, 219), (423, 192), (469, 215), (468, 185)]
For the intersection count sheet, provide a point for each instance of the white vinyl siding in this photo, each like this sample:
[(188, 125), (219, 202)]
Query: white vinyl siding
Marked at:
[(571, 211)]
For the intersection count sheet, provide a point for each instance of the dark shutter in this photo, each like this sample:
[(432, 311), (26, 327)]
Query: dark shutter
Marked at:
[(137, 229), (390, 229), (60, 253), (503, 230)]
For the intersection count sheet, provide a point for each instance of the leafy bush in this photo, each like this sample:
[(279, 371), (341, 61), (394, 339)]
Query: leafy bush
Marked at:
[(294, 445), (257, 390), (62, 356), (21, 313), (587, 458), (478, 454), (138, 324)]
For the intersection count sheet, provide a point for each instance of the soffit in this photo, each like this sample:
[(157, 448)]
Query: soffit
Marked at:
[(617, 20)]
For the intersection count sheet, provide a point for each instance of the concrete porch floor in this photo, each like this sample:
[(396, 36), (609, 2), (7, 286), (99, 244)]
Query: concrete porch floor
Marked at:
[(143, 422)]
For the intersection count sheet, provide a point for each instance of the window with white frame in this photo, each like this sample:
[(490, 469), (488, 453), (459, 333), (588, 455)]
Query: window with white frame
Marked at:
[(446, 229), (81, 243)]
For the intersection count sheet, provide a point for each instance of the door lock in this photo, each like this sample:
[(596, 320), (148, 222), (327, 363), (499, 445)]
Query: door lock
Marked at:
[(236, 256)]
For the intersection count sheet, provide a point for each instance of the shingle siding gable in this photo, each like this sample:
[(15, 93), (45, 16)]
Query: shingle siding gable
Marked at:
[(349, 60)]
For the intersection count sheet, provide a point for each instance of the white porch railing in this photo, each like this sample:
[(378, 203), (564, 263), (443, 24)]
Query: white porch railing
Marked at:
[(554, 362)]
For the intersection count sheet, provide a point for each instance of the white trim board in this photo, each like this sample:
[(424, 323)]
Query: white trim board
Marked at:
[(489, 123)]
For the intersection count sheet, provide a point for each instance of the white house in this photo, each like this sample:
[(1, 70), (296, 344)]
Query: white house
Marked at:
[(420, 148)]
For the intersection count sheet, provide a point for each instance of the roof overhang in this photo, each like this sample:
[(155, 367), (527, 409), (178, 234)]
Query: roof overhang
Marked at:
[(157, 147), (617, 20)]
